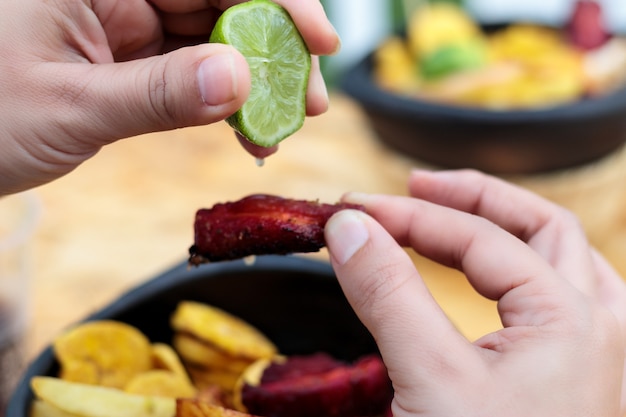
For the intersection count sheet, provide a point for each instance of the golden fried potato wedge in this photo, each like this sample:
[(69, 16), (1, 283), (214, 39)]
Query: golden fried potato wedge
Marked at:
[(94, 401), (224, 330), (40, 408), (197, 408), (195, 352), (107, 353)]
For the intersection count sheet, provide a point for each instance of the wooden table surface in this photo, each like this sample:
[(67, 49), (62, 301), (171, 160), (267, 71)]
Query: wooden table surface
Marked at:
[(126, 215)]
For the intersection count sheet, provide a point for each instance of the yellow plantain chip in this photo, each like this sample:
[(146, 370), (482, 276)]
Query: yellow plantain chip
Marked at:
[(161, 383), (196, 352), (79, 370), (107, 353), (197, 408), (40, 408), (165, 357), (94, 401), (205, 378), (224, 330)]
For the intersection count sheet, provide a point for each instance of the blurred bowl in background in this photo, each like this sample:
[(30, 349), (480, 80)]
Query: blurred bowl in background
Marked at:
[(295, 301), (499, 142)]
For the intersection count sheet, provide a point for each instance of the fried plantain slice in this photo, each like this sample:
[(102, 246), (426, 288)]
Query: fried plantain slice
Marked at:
[(106, 352), (204, 378), (161, 383), (260, 224), (195, 352), (40, 408), (198, 408), (165, 357), (84, 400), (228, 333)]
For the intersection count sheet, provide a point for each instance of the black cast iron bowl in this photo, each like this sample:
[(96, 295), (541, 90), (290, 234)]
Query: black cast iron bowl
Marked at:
[(499, 142), (295, 301)]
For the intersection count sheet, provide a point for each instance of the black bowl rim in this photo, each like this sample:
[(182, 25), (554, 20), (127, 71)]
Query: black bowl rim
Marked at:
[(179, 273), (358, 83)]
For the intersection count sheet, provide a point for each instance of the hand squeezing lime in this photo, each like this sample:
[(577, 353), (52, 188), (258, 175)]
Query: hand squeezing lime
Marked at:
[(280, 64)]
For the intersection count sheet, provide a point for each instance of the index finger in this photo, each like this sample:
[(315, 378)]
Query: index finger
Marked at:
[(552, 231), (308, 15), (313, 24), (494, 261)]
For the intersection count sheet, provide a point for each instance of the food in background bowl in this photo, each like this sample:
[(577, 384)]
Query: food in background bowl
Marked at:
[(296, 303), (497, 139), (110, 368), (446, 57)]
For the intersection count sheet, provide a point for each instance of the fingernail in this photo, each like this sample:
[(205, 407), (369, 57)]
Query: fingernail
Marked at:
[(337, 45), (346, 233), (335, 35), (356, 197), (420, 171), (317, 86), (217, 79)]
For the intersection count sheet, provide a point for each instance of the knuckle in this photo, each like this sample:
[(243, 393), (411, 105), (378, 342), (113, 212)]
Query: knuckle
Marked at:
[(567, 217), (162, 103), (564, 221)]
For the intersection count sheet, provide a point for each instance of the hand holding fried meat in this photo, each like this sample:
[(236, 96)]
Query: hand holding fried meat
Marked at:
[(561, 350), (260, 224)]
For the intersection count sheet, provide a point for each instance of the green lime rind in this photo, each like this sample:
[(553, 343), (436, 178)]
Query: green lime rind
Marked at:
[(280, 64)]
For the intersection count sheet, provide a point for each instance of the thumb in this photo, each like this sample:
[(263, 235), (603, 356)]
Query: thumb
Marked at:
[(188, 87)]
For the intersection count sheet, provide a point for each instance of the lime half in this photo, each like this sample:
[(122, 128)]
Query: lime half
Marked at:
[(280, 64)]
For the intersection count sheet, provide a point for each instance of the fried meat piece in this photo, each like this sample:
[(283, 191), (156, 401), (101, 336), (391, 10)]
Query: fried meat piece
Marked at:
[(319, 386), (260, 224)]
